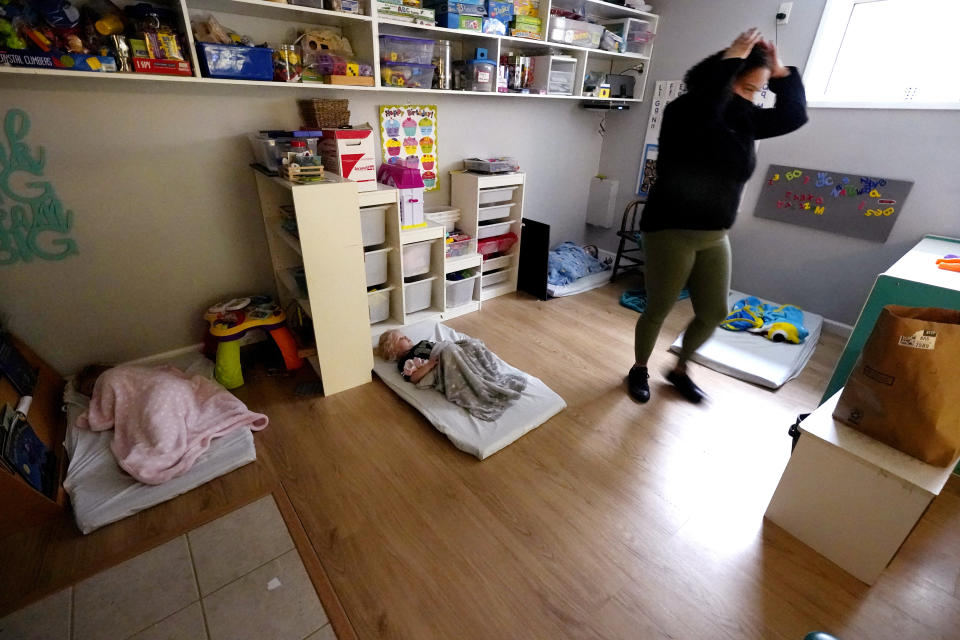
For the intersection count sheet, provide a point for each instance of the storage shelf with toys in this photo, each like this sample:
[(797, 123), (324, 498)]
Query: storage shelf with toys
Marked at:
[(337, 44)]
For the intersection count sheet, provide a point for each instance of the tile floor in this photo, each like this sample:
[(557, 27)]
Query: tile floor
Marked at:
[(235, 578)]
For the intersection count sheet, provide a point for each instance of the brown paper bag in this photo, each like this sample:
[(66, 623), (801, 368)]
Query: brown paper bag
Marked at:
[(905, 388)]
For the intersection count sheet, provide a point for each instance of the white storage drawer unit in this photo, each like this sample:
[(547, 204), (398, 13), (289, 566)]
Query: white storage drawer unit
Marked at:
[(495, 229)]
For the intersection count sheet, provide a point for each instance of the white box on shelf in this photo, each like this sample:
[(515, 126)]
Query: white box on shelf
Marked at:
[(373, 227), (494, 212), (416, 258), (411, 208), (418, 295), (495, 229), (500, 194), (349, 153), (379, 303), (375, 265), (460, 292)]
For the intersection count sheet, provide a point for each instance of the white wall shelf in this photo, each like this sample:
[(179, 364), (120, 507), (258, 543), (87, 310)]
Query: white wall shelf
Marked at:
[(364, 31)]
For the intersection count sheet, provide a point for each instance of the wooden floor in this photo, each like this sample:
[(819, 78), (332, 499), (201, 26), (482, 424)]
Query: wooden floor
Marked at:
[(612, 520)]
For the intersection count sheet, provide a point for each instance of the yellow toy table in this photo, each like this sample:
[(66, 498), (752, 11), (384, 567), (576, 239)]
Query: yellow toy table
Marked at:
[(231, 320)]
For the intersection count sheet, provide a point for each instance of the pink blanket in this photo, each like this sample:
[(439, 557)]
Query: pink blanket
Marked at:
[(163, 419)]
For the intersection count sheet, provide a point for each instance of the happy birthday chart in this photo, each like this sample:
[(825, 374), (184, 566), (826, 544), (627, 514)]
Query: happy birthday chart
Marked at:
[(409, 137)]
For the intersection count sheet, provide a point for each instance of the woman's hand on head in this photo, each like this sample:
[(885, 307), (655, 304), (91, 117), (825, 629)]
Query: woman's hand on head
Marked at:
[(777, 70), (741, 47)]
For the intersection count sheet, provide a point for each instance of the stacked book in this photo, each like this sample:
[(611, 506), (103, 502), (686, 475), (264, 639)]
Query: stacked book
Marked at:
[(22, 452)]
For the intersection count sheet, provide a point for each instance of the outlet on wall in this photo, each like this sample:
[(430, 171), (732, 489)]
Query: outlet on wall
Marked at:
[(784, 10)]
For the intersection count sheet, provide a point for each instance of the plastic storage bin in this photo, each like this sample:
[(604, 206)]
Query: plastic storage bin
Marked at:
[(561, 82), (496, 244), (447, 216), (373, 225), (460, 292), (416, 258), (500, 194), (403, 74), (379, 303), (230, 61), (403, 49), (494, 229), (375, 266), (492, 212), (459, 248), (635, 33), (481, 75), (575, 32), (418, 295), (496, 277)]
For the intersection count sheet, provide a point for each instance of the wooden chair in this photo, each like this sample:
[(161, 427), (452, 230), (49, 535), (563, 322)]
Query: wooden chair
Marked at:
[(629, 233)]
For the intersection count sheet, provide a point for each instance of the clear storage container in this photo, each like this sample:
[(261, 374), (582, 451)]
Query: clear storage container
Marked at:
[(447, 216), (575, 32), (481, 75), (456, 249), (635, 33), (406, 74), (404, 49), (375, 266), (418, 295), (460, 292), (416, 258), (373, 225)]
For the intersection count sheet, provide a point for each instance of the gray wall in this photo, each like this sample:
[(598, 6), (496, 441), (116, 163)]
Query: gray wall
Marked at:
[(166, 214), (826, 273)]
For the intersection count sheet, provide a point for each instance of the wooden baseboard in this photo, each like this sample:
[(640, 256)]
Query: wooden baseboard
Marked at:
[(837, 328)]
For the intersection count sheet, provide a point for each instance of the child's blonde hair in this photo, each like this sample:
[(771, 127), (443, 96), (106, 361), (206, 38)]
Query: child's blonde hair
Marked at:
[(390, 344)]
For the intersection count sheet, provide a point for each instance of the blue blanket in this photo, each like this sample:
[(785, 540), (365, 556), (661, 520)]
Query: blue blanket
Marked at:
[(569, 262)]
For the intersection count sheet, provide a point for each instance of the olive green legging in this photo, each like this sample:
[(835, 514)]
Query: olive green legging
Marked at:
[(674, 258)]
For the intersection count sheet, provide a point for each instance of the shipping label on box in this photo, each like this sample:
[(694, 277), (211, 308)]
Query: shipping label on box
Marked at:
[(349, 153)]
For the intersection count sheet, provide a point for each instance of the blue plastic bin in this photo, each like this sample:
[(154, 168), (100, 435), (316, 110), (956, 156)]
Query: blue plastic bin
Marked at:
[(229, 61)]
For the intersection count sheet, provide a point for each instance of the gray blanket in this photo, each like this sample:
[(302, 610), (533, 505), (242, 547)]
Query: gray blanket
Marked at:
[(469, 375)]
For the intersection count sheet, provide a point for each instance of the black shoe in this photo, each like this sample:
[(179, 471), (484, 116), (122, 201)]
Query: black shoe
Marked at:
[(637, 383), (685, 386)]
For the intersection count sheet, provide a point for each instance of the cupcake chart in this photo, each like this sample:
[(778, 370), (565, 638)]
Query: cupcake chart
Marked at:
[(408, 134)]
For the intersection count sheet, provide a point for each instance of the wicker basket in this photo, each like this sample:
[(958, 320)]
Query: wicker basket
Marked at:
[(322, 113)]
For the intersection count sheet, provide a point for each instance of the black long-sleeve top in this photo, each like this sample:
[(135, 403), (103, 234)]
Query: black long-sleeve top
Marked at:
[(706, 150)]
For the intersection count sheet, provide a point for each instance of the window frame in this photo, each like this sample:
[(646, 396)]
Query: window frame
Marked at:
[(823, 54)]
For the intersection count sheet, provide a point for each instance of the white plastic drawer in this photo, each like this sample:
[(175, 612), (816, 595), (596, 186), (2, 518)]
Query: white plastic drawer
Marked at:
[(495, 211), (460, 292), (500, 194), (373, 225), (416, 258), (379, 303), (418, 295), (496, 277), (495, 229), (375, 266)]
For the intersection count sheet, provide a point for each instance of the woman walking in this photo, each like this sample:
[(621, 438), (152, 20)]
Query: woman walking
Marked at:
[(706, 154)]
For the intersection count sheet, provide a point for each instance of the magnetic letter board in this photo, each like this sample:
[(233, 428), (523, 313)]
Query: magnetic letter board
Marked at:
[(846, 203)]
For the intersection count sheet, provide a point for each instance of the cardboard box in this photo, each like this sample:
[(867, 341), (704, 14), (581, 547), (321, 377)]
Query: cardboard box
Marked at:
[(349, 153), (162, 67), (385, 8), (70, 61), (499, 10), (462, 8), (457, 21), (352, 81)]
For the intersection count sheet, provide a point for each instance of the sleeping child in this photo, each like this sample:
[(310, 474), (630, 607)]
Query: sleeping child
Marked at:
[(465, 372)]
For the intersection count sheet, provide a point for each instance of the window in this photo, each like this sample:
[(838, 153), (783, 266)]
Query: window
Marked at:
[(886, 53)]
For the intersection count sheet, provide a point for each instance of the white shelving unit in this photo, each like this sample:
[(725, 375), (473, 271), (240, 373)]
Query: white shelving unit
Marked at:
[(330, 251), (277, 22), (491, 204)]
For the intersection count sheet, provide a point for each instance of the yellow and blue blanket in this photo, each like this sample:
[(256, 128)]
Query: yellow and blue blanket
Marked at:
[(777, 323)]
